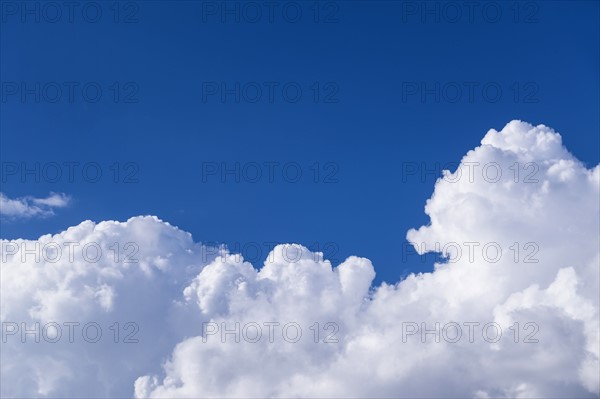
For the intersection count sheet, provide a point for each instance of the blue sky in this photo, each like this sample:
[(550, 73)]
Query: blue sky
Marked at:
[(368, 120)]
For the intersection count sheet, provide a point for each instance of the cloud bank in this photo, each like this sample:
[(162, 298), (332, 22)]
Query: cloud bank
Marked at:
[(27, 207), (524, 245)]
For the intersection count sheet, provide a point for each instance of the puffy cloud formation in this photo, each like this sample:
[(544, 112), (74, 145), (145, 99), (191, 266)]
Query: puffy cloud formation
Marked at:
[(519, 221), (103, 273), (27, 207)]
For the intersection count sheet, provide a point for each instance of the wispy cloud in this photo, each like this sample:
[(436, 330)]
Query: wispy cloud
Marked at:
[(27, 207)]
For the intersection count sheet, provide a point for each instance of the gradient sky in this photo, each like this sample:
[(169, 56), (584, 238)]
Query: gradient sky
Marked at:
[(367, 59)]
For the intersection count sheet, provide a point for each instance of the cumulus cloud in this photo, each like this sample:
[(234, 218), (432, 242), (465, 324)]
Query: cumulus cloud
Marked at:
[(523, 260), (27, 207)]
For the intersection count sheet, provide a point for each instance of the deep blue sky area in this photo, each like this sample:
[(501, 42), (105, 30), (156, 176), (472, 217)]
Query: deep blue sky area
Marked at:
[(358, 89)]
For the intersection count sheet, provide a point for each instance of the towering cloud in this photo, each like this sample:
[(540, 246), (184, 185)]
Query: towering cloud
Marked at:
[(513, 312)]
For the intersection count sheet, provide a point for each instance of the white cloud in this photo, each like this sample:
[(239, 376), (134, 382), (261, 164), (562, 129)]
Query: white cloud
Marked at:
[(177, 284), (27, 207)]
